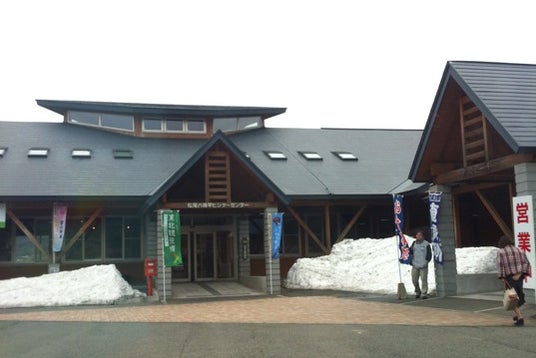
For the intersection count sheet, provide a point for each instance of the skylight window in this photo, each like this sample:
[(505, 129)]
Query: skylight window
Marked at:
[(38, 152), (81, 153), (275, 155), (123, 154), (311, 155), (345, 156), (3, 151)]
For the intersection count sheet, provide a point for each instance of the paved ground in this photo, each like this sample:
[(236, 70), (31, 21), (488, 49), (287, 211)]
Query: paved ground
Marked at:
[(292, 306)]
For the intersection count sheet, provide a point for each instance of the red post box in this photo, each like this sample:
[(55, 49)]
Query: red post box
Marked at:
[(150, 272)]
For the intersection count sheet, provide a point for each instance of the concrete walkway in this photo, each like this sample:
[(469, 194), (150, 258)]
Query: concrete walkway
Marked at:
[(293, 306)]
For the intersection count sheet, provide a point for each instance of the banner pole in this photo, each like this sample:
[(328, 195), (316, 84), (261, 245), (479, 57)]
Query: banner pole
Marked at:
[(164, 232), (164, 273), (270, 252)]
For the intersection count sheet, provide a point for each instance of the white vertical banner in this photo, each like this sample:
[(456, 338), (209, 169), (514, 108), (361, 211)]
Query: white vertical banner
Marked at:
[(523, 218), (59, 220), (2, 215)]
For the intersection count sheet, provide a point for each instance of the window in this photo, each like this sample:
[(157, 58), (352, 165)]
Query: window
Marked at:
[(106, 120), (38, 152), (316, 224), (291, 236), (173, 125), (345, 156), (123, 154), (3, 151), (196, 126), (5, 242), (256, 235), (275, 155), (81, 153), (114, 238), (93, 241), (106, 238), (152, 125), (131, 231), (25, 251), (234, 124), (311, 155), (89, 245)]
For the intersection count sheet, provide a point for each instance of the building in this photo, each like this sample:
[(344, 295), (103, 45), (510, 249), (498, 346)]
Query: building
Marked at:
[(477, 149), (115, 165)]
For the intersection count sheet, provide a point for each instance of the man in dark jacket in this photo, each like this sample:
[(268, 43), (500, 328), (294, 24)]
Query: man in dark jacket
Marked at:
[(421, 254)]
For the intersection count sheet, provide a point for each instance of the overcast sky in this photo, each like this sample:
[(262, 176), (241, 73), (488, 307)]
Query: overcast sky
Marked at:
[(350, 64)]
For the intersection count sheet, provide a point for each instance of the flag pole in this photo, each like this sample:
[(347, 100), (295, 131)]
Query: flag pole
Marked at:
[(164, 273), (270, 252), (399, 224), (164, 232)]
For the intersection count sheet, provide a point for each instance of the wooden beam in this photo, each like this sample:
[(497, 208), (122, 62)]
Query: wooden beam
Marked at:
[(440, 168), (474, 187), (456, 220), (27, 232), (307, 230), (464, 100), (494, 214), (351, 224), (327, 227), (82, 229), (481, 169)]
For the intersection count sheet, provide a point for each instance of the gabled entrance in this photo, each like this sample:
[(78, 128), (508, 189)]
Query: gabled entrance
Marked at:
[(208, 255)]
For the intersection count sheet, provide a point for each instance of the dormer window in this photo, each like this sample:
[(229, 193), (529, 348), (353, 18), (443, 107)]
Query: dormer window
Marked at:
[(123, 154), (345, 156), (81, 153), (311, 155), (38, 152), (275, 155)]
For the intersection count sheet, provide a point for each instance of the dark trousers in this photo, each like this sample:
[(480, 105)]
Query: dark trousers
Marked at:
[(518, 286)]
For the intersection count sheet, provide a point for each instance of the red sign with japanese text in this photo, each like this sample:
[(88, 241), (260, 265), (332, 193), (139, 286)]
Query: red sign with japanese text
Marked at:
[(523, 218)]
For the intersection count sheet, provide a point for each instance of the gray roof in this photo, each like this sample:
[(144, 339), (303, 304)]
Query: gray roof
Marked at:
[(504, 92), (160, 109), (384, 157), (154, 161), (383, 165), (506, 95)]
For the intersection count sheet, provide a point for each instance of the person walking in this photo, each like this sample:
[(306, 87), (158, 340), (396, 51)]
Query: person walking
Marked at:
[(512, 267), (421, 254)]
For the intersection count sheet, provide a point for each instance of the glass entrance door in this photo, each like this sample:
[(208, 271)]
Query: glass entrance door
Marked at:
[(207, 255), (214, 255), (204, 257)]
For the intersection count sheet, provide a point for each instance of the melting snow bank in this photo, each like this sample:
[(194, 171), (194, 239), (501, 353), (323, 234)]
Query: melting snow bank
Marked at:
[(371, 265), (94, 285)]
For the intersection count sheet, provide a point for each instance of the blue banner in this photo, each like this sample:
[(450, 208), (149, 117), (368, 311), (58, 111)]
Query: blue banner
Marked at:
[(403, 247), (437, 248), (277, 226)]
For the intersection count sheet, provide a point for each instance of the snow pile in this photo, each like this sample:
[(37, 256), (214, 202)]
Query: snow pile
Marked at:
[(99, 284), (371, 265)]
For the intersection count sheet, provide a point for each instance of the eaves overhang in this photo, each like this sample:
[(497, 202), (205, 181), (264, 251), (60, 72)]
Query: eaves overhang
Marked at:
[(194, 111)]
